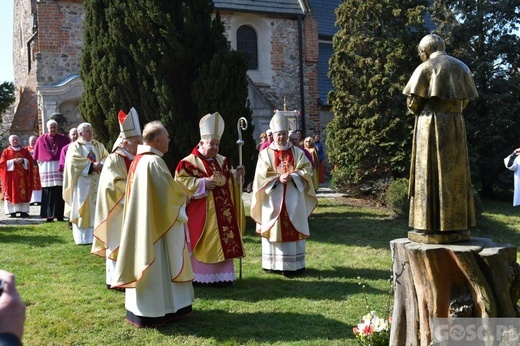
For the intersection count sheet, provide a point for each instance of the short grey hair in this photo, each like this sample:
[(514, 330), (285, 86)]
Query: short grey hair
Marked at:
[(83, 126)]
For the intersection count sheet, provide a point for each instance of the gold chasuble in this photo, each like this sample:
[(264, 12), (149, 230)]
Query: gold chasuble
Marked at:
[(150, 190), (216, 223)]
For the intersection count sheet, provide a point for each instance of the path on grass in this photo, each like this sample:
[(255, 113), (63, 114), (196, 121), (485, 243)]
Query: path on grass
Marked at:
[(34, 211)]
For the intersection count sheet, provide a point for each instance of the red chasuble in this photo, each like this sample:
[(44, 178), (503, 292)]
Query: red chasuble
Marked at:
[(17, 184)]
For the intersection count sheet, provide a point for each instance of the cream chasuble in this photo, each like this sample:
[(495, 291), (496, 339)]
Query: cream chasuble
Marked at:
[(108, 219), (270, 197), (154, 207)]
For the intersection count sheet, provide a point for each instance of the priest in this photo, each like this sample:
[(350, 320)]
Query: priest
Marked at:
[(16, 169), (153, 263), (216, 217), (83, 164), (111, 192), (283, 198)]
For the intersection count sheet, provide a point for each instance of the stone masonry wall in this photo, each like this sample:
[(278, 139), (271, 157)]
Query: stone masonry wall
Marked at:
[(60, 40), (285, 65)]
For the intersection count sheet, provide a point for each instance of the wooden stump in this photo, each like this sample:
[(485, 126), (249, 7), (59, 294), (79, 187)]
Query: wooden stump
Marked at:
[(475, 278)]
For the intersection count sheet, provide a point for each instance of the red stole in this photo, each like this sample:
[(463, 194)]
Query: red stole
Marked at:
[(282, 160), (229, 232)]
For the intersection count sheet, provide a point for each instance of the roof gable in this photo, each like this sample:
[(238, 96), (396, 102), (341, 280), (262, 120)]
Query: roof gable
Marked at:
[(282, 7)]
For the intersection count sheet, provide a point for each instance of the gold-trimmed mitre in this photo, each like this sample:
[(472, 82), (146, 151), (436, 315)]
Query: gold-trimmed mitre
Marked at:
[(129, 124), (211, 126), (279, 122)]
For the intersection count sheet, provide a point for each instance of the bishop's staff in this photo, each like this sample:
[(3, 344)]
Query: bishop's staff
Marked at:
[(241, 125)]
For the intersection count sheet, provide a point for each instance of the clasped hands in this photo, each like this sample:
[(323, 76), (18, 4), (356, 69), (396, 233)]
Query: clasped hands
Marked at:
[(285, 178)]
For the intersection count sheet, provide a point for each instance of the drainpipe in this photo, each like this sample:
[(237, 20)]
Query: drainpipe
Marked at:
[(29, 50), (302, 90)]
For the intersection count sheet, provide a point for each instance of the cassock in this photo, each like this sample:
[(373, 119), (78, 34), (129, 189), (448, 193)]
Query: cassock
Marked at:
[(47, 151), (36, 195), (153, 261), (281, 211), (80, 187), (216, 218), (441, 196), (108, 218), (512, 162), (16, 179)]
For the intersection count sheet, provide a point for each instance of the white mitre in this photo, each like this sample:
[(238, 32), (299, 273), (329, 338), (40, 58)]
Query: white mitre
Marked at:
[(279, 122), (129, 124), (211, 126)]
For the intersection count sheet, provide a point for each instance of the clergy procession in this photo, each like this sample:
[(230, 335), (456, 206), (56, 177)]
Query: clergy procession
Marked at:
[(159, 232)]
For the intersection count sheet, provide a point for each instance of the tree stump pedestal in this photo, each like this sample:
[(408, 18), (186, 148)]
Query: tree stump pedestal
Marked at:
[(475, 278)]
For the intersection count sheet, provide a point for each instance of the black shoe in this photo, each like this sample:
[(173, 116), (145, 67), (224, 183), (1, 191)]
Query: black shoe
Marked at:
[(24, 215), (49, 220), (13, 215), (60, 219)]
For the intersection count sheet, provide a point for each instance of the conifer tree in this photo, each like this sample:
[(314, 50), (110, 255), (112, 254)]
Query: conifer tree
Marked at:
[(220, 78), (482, 35), (375, 53), (6, 95), (149, 55)]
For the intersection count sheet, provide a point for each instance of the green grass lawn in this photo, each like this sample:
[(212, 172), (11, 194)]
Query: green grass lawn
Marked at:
[(63, 285)]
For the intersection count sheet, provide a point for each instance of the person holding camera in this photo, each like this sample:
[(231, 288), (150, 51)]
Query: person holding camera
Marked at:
[(12, 311)]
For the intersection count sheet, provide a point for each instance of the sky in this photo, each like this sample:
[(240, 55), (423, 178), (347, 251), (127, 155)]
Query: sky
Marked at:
[(6, 41)]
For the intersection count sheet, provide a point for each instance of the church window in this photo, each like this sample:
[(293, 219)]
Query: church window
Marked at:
[(247, 42)]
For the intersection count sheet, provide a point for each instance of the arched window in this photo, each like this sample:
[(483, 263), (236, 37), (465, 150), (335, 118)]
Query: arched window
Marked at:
[(247, 43)]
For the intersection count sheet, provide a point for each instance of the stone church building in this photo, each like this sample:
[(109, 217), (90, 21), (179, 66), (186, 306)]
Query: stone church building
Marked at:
[(288, 44)]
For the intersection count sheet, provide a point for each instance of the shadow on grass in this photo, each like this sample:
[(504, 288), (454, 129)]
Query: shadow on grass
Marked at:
[(258, 327), (490, 226), (357, 226), (312, 285), (31, 236)]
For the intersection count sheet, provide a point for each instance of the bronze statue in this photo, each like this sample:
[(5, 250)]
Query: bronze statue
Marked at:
[(441, 198)]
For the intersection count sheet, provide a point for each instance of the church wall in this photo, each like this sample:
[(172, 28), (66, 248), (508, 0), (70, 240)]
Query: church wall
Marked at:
[(25, 107), (278, 76), (60, 40), (58, 53), (57, 47)]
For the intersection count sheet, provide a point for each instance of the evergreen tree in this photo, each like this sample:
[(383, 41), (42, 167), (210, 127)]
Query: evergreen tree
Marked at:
[(482, 35), (149, 55), (6, 95), (222, 77), (375, 53)]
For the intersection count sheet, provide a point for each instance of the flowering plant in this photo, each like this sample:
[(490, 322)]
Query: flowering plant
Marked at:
[(373, 330)]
